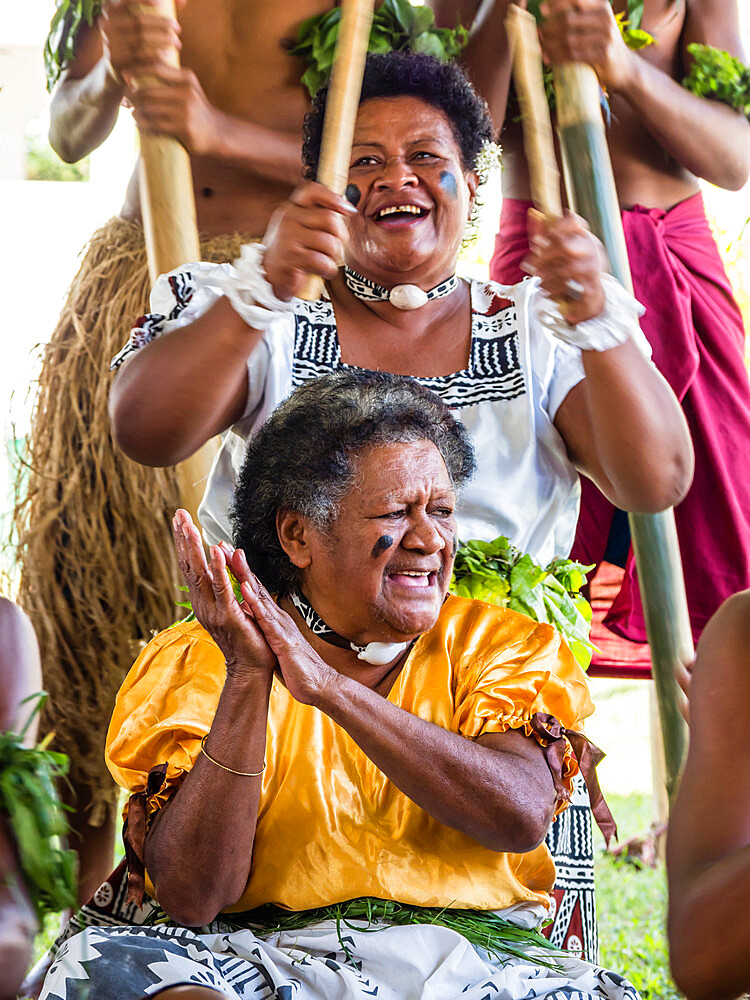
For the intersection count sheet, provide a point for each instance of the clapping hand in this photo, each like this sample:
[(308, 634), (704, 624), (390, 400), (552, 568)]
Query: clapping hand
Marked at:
[(303, 672), (235, 632)]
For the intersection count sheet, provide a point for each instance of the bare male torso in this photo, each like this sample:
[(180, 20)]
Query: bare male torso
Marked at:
[(236, 50), (644, 172)]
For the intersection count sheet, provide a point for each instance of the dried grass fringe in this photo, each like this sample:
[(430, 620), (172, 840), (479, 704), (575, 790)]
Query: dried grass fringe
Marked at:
[(97, 566)]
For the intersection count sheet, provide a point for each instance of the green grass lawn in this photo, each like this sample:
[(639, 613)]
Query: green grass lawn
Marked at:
[(631, 905)]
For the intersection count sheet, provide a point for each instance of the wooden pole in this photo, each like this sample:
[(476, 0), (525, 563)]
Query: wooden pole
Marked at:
[(342, 104), (538, 143), (171, 233), (591, 191)]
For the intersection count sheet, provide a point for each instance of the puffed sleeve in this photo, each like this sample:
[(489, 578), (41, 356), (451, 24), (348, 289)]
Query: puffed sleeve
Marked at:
[(516, 672), (177, 298), (163, 709)]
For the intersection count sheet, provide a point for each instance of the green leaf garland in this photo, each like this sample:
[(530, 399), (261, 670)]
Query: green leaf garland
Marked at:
[(28, 798), (716, 74), (396, 26)]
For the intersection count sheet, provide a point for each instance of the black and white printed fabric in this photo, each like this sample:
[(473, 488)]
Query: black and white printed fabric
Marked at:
[(417, 962), (517, 375)]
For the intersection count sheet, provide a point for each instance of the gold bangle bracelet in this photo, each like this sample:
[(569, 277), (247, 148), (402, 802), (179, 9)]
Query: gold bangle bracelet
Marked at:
[(241, 774)]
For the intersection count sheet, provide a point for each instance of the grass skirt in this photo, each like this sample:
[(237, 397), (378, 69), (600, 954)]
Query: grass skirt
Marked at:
[(97, 564)]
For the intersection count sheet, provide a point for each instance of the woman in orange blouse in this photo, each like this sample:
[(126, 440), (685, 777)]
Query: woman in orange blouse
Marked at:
[(360, 734)]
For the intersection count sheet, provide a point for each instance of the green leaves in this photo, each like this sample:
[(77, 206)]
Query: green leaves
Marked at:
[(396, 25), (29, 798), (498, 573), (59, 49), (483, 929), (716, 74)]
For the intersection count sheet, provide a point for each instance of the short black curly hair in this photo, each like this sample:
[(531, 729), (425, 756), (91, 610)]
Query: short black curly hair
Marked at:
[(412, 74), (304, 457)]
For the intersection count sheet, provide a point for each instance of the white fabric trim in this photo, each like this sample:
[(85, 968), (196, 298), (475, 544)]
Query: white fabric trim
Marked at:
[(250, 293), (615, 325)]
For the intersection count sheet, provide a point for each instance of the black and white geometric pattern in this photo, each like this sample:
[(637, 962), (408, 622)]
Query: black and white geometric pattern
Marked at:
[(494, 371), (314, 963), (570, 841)]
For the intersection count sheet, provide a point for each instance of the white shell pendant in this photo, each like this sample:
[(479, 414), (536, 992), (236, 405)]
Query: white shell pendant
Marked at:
[(380, 653), (407, 297)]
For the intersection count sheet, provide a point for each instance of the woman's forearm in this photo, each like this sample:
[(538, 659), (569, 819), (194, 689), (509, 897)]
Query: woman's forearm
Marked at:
[(183, 388), (624, 429), (199, 848), (640, 435), (501, 795)]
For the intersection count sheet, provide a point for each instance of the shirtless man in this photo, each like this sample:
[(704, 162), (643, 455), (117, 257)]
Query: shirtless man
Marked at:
[(87, 514), (662, 139)]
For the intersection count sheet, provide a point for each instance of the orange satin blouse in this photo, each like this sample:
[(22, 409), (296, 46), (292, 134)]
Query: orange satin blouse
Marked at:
[(331, 825)]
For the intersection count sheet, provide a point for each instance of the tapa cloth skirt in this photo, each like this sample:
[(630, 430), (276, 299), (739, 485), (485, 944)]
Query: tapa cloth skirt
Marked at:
[(416, 962)]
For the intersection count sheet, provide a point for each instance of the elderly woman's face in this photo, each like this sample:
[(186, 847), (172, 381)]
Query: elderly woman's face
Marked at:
[(382, 572), (411, 191)]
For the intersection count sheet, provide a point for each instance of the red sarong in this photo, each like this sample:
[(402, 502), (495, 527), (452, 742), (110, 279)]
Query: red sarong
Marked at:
[(696, 332)]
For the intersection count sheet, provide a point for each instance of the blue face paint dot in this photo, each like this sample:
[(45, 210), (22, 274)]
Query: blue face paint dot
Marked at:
[(383, 543), (352, 194), (448, 184)]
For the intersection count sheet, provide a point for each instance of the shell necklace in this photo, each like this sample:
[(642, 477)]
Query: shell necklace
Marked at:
[(377, 653), (401, 296)]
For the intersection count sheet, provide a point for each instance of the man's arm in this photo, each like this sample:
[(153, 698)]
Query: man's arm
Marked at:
[(131, 40), (706, 137), (486, 57), (86, 100), (708, 849)]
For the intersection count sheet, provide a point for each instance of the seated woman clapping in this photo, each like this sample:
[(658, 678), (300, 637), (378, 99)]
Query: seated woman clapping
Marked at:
[(340, 728)]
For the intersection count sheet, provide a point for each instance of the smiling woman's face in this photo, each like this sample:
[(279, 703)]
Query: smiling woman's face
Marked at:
[(412, 194), (382, 571)]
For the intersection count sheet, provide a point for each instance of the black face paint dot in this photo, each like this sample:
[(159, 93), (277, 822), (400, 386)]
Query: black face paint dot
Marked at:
[(207, 192), (454, 547), (352, 194), (383, 543), (448, 184)]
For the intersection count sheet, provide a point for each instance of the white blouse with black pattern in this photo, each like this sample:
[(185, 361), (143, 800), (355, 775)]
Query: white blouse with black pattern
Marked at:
[(517, 375)]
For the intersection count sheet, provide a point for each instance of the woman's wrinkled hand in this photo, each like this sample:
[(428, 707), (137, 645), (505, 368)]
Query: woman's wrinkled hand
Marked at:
[(304, 673), (586, 31), (233, 630), (137, 38), (306, 235), (569, 261)]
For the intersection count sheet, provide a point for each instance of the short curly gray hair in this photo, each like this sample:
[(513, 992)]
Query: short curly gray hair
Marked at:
[(303, 459)]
